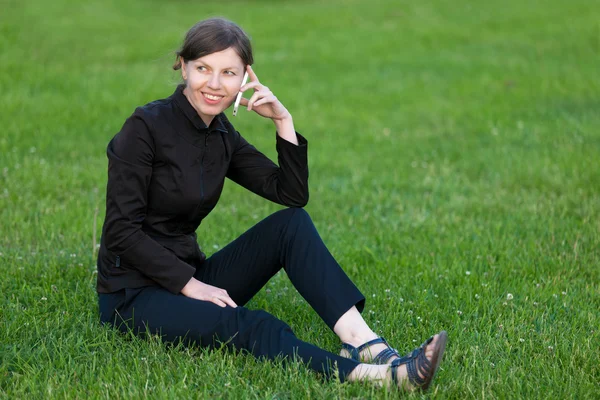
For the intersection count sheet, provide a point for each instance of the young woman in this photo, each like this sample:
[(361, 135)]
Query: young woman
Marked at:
[(166, 171)]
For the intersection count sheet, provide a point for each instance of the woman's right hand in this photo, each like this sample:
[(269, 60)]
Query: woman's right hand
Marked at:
[(201, 291)]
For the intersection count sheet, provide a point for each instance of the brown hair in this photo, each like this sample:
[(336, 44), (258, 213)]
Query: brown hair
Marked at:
[(213, 35)]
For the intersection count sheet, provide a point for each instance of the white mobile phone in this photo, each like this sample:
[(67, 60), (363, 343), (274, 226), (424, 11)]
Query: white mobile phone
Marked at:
[(239, 96)]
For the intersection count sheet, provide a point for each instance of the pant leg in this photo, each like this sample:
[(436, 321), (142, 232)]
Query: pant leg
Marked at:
[(178, 318), (286, 239)]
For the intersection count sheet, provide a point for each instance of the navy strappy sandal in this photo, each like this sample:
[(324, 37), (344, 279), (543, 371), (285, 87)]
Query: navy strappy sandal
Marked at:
[(421, 370), (381, 358)]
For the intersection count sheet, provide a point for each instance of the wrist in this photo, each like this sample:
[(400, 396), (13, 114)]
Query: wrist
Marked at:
[(285, 129), (286, 119), (190, 285)]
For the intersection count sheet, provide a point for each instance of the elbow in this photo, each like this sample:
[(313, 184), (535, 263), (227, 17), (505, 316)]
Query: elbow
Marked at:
[(111, 243), (304, 201), (117, 236), (301, 200), (297, 200)]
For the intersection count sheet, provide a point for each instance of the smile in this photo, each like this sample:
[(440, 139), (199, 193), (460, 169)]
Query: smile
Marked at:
[(212, 97)]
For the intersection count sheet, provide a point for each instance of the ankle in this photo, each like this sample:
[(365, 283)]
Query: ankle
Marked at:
[(358, 338)]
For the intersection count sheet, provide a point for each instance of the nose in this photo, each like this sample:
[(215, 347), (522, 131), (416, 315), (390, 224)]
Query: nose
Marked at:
[(214, 82)]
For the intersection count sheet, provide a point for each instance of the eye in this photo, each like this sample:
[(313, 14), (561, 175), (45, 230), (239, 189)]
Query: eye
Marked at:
[(201, 68), (229, 73)]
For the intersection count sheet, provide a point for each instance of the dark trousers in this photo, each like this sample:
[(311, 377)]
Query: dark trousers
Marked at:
[(287, 239)]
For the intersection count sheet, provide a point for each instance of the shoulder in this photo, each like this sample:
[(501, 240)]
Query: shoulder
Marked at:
[(154, 111), (145, 118), (137, 131)]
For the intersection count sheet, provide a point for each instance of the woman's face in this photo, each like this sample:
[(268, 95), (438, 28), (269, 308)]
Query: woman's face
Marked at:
[(212, 82)]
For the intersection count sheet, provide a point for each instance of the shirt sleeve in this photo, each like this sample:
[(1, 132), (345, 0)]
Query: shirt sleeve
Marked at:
[(130, 155), (286, 184)]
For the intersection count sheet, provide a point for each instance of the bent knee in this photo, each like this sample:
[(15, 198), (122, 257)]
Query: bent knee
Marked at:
[(295, 214)]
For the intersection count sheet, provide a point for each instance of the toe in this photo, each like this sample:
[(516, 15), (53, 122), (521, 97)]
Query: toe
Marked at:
[(431, 347)]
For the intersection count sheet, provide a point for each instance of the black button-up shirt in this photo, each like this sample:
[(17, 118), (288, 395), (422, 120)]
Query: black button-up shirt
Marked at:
[(166, 170)]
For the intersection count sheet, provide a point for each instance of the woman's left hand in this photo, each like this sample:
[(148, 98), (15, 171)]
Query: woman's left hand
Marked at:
[(263, 101)]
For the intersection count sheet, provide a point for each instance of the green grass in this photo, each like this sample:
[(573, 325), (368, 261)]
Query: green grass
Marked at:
[(454, 157)]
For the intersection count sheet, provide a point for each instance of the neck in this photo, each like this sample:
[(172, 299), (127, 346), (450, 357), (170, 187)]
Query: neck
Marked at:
[(207, 119)]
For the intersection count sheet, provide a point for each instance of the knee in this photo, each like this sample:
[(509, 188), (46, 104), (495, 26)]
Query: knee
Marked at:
[(292, 223), (296, 215)]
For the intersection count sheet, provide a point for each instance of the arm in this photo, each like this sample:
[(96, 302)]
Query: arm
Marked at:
[(286, 184), (130, 155)]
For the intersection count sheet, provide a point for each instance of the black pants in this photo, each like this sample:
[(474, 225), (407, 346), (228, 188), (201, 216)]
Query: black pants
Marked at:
[(287, 239)]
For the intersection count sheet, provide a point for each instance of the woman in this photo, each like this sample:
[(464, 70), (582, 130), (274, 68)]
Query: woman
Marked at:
[(166, 171)]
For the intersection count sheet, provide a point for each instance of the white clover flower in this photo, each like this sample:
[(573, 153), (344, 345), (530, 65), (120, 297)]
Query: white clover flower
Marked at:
[(468, 272), (521, 340), (477, 296), (459, 312), (509, 296), (43, 299)]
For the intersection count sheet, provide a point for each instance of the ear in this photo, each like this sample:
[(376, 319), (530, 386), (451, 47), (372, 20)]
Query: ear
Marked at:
[(183, 69)]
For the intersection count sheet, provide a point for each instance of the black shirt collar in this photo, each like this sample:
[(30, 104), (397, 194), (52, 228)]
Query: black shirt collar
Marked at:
[(189, 111)]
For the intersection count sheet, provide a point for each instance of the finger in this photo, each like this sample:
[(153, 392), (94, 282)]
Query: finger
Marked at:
[(264, 100), (229, 301), (256, 96), (252, 99), (251, 74), (252, 85), (244, 102), (219, 302)]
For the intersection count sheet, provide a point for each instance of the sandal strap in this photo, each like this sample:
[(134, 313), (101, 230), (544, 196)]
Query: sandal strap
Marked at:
[(384, 356), (352, 350), (355, 351), (417, 365)]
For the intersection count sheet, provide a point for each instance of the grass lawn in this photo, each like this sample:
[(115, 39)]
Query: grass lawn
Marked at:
[(455, 175)]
